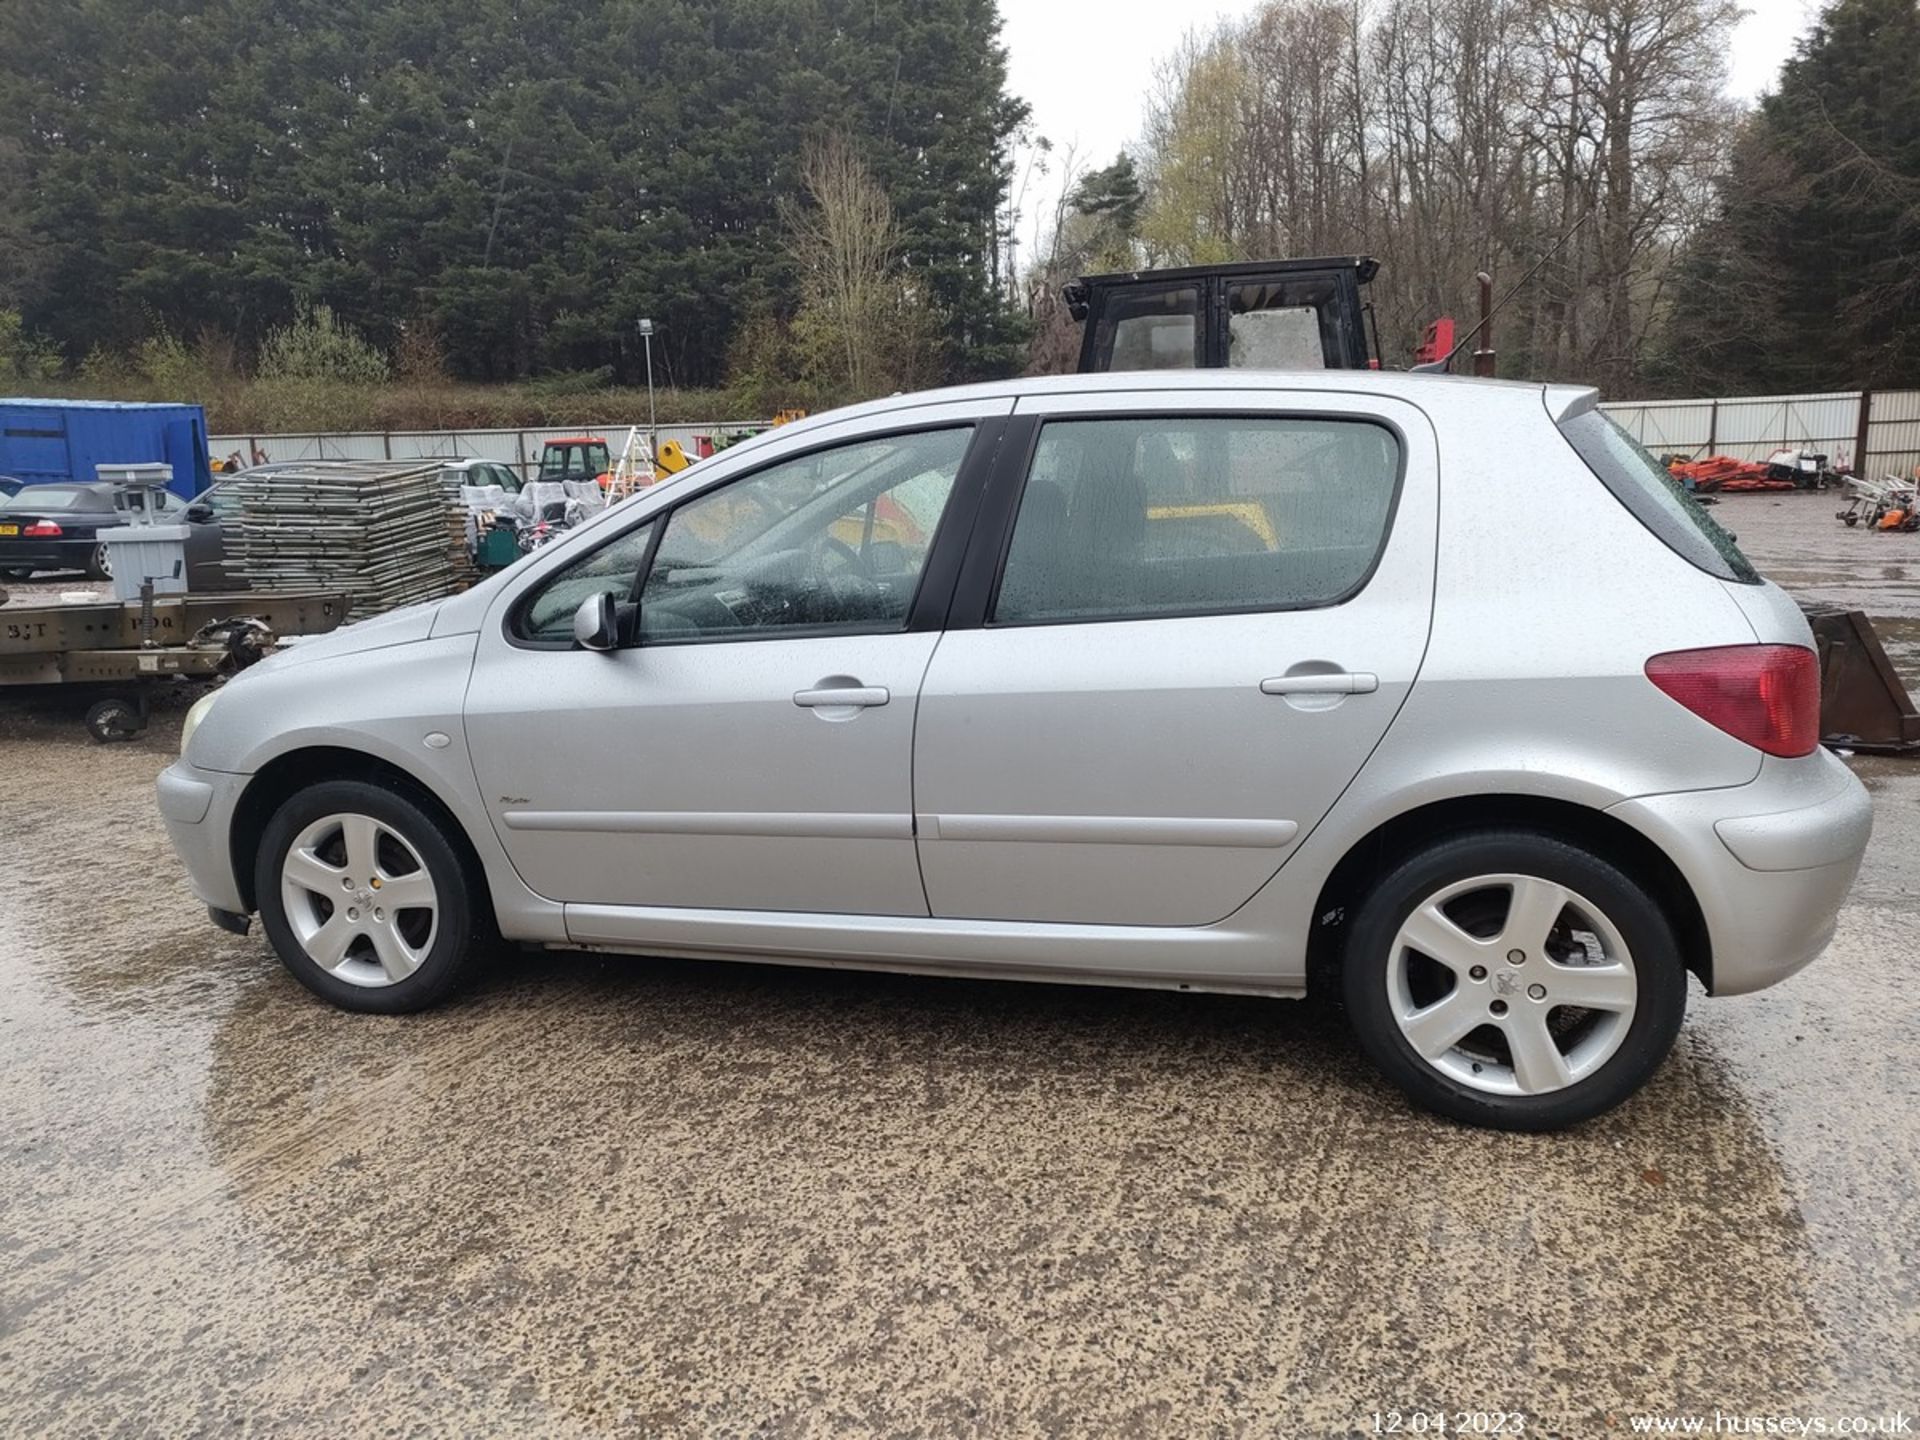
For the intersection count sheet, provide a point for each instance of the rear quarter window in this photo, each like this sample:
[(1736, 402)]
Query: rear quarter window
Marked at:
[(1655, 498)]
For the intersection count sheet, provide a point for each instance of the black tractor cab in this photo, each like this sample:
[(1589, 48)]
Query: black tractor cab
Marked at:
[(1248, 315)]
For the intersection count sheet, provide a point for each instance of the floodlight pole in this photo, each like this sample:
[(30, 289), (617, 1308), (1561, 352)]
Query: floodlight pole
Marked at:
[(653, 427)]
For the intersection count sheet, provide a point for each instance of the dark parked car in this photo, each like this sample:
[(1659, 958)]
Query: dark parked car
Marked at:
[(56, 527)]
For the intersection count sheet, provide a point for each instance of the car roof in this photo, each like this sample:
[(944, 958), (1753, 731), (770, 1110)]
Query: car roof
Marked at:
[(95, 489), (1423, 389), (1237, 269)]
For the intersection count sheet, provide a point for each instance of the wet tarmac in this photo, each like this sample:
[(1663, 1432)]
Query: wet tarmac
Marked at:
[(1798, 543), (625, 1197)]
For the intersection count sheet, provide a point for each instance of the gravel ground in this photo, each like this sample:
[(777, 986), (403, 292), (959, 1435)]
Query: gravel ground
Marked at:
[(633, 1197)]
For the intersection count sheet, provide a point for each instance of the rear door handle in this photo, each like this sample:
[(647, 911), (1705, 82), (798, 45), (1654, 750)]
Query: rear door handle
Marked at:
[(853, 697), (1357, 682)]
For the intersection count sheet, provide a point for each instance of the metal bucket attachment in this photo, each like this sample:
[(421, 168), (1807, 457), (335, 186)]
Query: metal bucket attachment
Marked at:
[(1863, 705)]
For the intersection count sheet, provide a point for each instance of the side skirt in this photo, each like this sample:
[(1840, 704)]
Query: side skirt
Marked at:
[(1212, 958)]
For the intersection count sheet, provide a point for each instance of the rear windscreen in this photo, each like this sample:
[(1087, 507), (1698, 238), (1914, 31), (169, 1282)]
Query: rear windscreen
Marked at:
[(1657, 500), (1283, 324), (55, 497)]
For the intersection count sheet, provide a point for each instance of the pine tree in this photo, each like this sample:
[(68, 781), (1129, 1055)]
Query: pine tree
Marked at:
[(531, 176), (1811, 278)]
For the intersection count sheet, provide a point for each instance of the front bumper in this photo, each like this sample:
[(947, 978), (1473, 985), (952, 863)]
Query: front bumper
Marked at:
[(1769, 863), (198, 807)]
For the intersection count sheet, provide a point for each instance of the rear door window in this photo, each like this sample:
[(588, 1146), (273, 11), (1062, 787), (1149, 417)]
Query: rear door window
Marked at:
[(1655, 498), (1133, 518)]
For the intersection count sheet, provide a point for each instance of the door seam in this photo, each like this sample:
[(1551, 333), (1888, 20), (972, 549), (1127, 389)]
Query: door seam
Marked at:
[(913, 772)]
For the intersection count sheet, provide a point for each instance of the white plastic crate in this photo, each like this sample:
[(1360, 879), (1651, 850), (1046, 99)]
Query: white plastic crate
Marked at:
[(146, 552)]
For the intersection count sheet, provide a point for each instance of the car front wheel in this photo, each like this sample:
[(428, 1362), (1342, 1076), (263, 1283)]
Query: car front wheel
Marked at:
[(99, 563), (1510, 979), (365, 898)]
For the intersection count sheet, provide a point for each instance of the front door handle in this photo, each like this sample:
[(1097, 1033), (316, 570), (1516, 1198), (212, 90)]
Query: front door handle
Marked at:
[(834, 697), (1357, 682)]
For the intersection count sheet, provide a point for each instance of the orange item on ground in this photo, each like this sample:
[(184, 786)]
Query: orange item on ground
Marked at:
[(1723, 472)]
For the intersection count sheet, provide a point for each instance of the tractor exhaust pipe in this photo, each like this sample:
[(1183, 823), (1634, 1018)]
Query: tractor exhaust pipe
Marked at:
[(1484, 357)]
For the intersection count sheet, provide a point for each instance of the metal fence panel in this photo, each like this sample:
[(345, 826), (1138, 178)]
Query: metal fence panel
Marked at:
[(1893, 432), (459, 444), (519, 448), (1752, 427), (1748, 427), (1894, 448), (1666, 425), (1896, 405), (332, 446)]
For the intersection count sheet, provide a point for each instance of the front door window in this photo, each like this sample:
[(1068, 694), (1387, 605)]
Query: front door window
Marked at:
[(830, 541)]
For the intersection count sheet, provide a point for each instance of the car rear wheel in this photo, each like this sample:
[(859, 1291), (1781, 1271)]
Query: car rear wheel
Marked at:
[(99, 564), (364, 897), (1509, 979)]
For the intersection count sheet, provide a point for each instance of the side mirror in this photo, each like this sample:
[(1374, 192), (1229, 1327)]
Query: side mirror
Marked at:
[(200, 514), (596, 624)]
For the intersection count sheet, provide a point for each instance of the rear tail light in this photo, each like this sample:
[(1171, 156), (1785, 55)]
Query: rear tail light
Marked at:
[(43, 530), (1766, 695)]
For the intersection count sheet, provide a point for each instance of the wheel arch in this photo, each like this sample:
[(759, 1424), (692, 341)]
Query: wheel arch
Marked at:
[(295, 770), (1412, 830)]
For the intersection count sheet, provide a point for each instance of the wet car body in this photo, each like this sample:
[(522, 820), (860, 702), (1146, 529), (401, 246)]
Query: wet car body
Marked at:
[(1374, 741)]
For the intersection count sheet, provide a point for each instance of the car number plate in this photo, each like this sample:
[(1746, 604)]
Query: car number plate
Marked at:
[(9, 529)]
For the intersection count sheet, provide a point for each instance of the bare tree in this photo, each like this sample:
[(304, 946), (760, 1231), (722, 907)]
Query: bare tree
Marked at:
[(1451, 136), (847, 244), (1627, 101)]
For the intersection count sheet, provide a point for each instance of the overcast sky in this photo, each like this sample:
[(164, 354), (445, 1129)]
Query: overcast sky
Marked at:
[(1084, 64)]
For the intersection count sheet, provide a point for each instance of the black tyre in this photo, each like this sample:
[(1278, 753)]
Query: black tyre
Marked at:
[(15, 572), (99, 566), (115, 718), (1509, 979), (366, 899)]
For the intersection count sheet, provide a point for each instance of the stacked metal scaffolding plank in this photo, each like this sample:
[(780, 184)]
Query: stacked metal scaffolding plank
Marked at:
[(383, 531)]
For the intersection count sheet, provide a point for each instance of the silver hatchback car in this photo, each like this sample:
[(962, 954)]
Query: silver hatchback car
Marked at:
[(1434, 693)]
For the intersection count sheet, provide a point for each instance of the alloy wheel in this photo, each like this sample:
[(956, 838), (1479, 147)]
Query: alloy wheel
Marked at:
[(360, 900), (1511, 984)]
